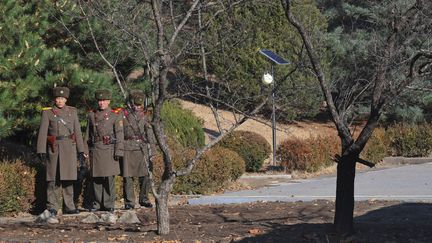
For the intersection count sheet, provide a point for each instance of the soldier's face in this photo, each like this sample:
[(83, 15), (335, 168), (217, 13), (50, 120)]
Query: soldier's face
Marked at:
[(103, 104), (60, 102), (138, 107)]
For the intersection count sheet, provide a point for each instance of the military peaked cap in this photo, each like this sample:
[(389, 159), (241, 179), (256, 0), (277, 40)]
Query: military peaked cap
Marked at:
[(137, 97), (103, 94), (61, 92)]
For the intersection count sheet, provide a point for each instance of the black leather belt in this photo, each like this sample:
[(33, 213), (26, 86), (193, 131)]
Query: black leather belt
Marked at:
[(135, 138), (107, 139), (63, 137)]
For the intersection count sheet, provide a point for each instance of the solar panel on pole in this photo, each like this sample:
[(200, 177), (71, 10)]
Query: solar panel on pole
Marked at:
[(273, 57)]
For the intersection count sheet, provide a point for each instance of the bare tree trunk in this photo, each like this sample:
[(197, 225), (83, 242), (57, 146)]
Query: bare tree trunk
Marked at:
[(398, 46), (344, 219), (162, 212)]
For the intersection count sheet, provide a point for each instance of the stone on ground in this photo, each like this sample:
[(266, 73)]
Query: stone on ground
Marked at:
[(91, 219), (109, 218), (129, 217)]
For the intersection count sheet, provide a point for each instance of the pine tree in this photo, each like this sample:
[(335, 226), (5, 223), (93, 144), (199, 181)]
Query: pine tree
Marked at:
[(32, 61), (355, 28)]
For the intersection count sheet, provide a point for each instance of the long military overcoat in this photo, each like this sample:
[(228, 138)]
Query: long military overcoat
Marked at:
[(109, 124), (135, 159), (60, 123)]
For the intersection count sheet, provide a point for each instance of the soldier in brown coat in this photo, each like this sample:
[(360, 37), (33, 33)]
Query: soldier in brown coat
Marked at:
[(60, 136), (104, 136), (134, 162)]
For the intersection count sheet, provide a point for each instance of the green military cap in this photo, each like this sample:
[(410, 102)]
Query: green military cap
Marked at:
[(103, 94), (61, 92), (137, 97)]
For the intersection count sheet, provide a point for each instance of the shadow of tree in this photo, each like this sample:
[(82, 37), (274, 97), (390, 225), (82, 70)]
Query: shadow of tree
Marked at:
[(406, 222)]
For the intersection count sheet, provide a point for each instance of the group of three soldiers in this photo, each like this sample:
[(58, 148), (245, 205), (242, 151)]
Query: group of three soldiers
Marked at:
[(114, 141)]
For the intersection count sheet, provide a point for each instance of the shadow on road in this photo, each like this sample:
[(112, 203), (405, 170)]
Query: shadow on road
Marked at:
[(406, 222)]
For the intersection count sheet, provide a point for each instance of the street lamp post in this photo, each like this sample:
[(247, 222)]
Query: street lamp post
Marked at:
[(270, 79)]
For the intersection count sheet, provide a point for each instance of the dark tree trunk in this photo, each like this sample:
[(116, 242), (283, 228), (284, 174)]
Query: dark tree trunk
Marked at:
[(343, 222)]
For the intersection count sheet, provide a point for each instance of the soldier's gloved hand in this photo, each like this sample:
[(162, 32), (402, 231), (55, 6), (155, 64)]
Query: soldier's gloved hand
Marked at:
[(117, 158), (150, 166), (81, 156), (42, 157)]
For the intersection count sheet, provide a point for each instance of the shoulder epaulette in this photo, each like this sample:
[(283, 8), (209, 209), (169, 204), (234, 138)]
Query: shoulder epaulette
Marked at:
[(117, 111), (46, 108)]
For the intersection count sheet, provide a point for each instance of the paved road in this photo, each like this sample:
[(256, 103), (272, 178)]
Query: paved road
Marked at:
[(406, 183)]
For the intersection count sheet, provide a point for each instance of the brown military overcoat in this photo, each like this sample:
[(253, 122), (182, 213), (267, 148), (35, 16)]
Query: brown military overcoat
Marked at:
[(106, 124), (135, 158), (60, 123)]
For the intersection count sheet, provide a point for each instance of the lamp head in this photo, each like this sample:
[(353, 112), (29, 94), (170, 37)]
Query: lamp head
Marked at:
[(267, 79)]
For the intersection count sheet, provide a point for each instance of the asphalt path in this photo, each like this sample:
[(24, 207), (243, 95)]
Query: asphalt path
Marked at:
[(411, 183)]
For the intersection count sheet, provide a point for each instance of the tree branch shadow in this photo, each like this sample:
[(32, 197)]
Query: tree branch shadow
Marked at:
[(405, 222)]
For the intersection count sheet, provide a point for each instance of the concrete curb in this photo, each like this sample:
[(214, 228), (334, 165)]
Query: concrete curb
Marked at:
[(406, 160), (287, 176)]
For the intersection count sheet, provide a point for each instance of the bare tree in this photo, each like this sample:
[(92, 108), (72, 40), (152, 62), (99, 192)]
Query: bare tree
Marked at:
[(160, 32), (401, 57)]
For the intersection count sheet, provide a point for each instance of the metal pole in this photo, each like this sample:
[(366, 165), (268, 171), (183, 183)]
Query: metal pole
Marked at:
[(273, 117)]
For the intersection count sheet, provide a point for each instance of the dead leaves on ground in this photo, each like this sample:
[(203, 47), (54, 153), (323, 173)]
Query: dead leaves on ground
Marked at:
[(256, 231)]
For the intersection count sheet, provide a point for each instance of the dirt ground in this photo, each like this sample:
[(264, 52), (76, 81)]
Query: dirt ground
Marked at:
[(375, 221)]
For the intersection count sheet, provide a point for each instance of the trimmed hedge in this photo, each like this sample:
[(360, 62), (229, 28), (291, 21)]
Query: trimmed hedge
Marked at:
[(377, 147), (215, 168), (410, 140), (210, 174), (251, 146), (308, 155)]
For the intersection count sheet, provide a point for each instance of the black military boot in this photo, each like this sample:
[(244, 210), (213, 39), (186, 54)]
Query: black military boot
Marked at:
[(146, 204)]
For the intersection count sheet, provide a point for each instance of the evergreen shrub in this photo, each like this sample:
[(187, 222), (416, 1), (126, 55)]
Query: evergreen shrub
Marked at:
[(251, 146), (308, 155), (183, 125), (17, 185), (404, 114)]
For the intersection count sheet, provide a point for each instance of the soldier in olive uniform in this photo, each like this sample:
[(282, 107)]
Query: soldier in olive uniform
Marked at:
[(60, 136), (134, 162), (104, 136)]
